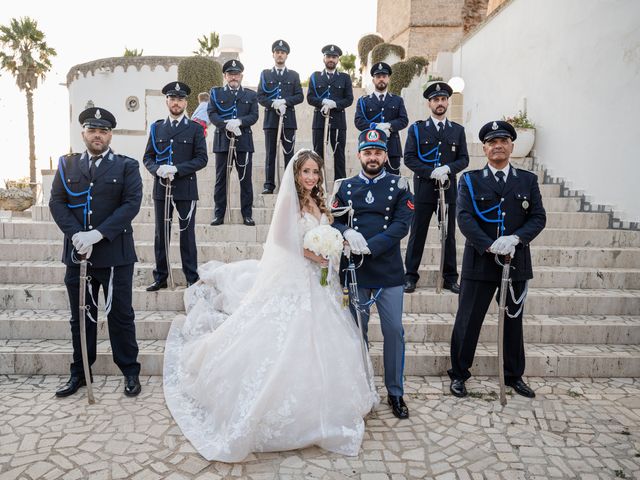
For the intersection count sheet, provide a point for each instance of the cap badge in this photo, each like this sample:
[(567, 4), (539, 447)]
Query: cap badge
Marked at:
[(177, 87), (373, 136), (437, 87), (280, 43), (332, 48), (98, 115), (379, 66), (233, 63), (494, 126)]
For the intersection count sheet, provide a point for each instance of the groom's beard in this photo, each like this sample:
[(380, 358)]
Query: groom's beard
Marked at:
[(372, 168)]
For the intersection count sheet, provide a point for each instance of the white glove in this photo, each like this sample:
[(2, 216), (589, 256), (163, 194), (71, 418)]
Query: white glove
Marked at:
[(325, 110), (282, 109), (233, 124), (329, 103), (277, 103), (83, 241), (385, 127), (357, 242), (440, 173), (166, 171), (505, 245), (236, 131)]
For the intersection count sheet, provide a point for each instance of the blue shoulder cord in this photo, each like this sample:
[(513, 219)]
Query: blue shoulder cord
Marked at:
[(423, 157), (87, 204), (326, 93), (159, 158), (272, 94), (372, 120), (232, 111), (481, 214)]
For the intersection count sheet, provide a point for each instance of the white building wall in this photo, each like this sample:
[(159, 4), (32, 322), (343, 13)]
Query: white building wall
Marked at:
[(575, 64)]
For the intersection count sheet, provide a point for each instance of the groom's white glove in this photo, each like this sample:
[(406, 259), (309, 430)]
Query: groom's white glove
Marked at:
[(505, 245), (357, 242)]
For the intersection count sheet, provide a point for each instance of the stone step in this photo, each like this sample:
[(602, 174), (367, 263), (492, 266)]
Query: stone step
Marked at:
[(540, 301), (31, 357), (550, 236), (262, 216), (542, 256), (154, 325), (52, 271)]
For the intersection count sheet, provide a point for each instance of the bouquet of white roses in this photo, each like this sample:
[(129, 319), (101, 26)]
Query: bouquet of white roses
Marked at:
[(325, 241)]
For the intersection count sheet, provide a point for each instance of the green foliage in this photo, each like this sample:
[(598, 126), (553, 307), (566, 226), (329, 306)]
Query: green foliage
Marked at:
[(200, 73), (132, 53), (520, 120), (435, 78), (207, 45), (381, 51), (20, 183), (25, 54), (348, 65), (365, 45), (404, 72)]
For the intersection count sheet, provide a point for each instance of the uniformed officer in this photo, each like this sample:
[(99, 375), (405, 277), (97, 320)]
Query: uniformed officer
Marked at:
[(330, 92), (499, 212), (435, 150), (384, 111), (279, 91), (175, 151), (94, 198), (382, 208), (233, 109)]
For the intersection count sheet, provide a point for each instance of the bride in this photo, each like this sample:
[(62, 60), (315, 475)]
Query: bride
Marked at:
[(267, 359)]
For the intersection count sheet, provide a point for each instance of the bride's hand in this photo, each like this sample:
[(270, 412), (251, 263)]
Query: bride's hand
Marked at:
[(323, 262)]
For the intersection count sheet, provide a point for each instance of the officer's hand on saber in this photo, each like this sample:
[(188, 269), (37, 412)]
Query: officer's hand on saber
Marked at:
[(327, 102), (278, 102), (83, 241), (357, 242), (385, 127), (505, 245), (440, 173), (166, 171), (233, 125)]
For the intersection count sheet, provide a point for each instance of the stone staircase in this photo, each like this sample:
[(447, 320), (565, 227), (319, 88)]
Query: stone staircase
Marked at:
[(582, 316)]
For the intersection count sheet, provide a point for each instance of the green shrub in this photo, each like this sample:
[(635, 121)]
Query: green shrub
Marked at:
[(520, 120), (403, 73), (381, 51), (365, 45), (200, 73)]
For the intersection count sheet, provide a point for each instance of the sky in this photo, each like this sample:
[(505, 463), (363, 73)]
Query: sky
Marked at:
[(84, 31)]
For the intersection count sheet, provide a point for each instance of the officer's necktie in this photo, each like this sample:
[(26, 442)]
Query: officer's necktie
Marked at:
[(500, 176), (93, 167), (330, 75), (440, 126), (279, 72), (381, 98), (174, 124)]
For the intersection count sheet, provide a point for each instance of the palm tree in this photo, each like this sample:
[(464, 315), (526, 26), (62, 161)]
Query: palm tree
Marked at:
[(26, 56), (208, 45)]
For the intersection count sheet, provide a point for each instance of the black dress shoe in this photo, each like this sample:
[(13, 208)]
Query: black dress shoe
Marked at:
[(521, 388), (409, 286), (457, 388), (155, 286), (248, 221), (454, 287), (217, 221), (131, 385), (398, 406), (267, 191), (72, 386)]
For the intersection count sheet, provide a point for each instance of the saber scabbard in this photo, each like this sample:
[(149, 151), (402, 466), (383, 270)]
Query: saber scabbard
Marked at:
[(83, 328)]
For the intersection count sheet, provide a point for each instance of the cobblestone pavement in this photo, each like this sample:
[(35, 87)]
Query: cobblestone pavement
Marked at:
[(575, 428)]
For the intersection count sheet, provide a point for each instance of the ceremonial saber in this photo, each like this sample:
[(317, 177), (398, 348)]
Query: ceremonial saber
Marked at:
[(327, 137), (167, 229), (278, 147), (442, 226), (502, 306), (83, 328), (230, 155), (352, 282)]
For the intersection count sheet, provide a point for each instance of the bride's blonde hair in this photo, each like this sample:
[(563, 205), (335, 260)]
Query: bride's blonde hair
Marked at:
[(317, 193)]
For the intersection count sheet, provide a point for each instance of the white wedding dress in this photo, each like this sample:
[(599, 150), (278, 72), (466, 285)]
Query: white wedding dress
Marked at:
[(267, 359)]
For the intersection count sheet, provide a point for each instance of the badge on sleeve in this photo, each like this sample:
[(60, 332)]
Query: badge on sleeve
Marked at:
[(410, 205), (335, 204)]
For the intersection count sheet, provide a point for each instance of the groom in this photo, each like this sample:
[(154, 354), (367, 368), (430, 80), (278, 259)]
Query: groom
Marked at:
[(382, 212)]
